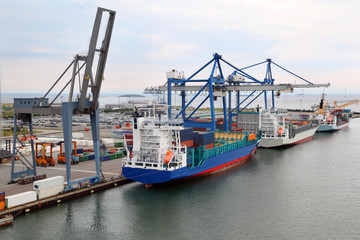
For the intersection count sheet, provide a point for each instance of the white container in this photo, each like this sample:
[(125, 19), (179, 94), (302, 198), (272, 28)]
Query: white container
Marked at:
[(77, 135), (48, 192), (19, 199), (49, 183)]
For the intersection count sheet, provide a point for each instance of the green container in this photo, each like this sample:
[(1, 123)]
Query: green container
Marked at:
[(85, 153), (119, 144), (112, 156), (83, 158)]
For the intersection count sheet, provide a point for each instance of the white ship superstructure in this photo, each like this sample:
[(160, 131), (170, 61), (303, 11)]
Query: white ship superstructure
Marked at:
[(156, 143)]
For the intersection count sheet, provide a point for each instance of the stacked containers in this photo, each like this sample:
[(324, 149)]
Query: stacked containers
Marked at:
[(207, 139), (19, 199), (2, 201), (186, 137), (129, 139), (49, 187), (196, 139)]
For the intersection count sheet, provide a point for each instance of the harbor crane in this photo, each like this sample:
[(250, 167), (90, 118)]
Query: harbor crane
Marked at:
[(346, 104), (218, 86), (24, 108)]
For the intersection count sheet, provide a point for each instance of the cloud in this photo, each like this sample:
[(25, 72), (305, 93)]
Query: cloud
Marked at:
[(315, 39)]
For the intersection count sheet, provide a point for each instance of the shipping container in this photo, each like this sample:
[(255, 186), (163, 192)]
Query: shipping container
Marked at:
[(19, 199), (206, 138), (209, 146), (84, 158), (49, 183), (186, 131), (79, 151), (2, 205), (105, 158), (196, 137), (2, 196), (119, 144), (49, 192), (184, 138), (189, 143), (91, 157)]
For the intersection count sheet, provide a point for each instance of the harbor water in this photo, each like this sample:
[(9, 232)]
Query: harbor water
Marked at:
[(309, 191)]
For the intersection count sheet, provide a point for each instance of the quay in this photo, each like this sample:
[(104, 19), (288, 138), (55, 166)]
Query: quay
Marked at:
[(112, 171), (39, 204)]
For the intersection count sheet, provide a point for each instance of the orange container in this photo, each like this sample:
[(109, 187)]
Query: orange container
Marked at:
[(210, 146), (189, 143), (2, 205)]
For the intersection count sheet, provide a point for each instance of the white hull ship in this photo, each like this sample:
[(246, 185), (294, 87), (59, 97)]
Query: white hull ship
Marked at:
[(279, 131)]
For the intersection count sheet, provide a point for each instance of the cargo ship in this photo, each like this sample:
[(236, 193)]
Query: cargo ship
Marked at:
[(164, 150), (279, 130), (332, 118)]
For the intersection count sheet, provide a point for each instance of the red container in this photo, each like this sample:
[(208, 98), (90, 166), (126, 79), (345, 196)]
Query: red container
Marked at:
[(2, 196), (87, 129), (129, 142), (118, 126), (210, 146), (199, 129), (188, 143), (128, 136)]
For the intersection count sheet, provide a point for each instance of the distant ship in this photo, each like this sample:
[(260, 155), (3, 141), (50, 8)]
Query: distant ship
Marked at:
[(333, 118), (278, 130), (163, 150)]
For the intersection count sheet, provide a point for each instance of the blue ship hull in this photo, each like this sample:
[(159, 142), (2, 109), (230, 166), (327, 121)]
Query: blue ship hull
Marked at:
[(210, 165)]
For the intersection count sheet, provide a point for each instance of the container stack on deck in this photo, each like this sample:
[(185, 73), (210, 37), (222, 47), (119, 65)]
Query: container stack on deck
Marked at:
[(186, 137), (207, 139)]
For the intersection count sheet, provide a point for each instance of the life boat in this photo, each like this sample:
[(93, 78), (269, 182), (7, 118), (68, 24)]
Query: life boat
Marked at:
[(280, 131), (169, 155)]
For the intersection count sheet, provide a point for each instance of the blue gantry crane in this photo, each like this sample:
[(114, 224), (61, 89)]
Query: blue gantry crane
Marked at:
[(217, 86), (24, 108)]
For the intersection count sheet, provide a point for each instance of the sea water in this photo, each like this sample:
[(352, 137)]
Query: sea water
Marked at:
[(308, 191)]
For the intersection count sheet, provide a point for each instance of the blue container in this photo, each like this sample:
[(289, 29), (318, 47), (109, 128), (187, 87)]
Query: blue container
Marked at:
[(206, 138), (196, 138), (186, 131), (105, 158), (91, 157), (184, 138), (79, 150)]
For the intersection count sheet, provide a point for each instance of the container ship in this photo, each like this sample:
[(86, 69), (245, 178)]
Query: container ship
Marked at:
[(278, 130), (332, 118), (164, 150)]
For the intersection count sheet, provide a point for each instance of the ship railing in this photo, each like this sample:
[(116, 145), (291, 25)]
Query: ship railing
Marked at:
[(200, 154)]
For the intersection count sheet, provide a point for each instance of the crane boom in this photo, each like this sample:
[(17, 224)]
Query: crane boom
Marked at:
[(88, 79), (346, 104)]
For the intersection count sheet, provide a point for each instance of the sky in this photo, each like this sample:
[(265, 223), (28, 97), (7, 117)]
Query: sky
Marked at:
[(316, 39)]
